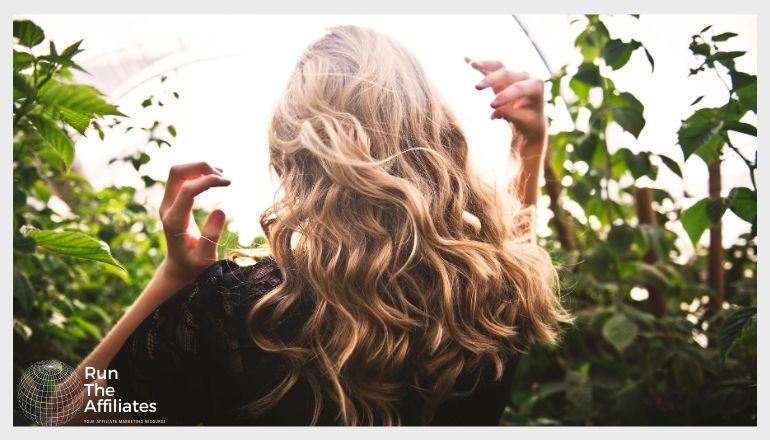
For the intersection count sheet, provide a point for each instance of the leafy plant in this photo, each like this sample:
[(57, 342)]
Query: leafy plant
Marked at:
[(668, 356)]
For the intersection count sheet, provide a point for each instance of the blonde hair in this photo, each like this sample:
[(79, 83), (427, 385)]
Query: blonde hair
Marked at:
[(411, 265)]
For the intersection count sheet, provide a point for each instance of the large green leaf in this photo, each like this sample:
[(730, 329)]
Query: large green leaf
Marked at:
[(620, 332), (78, 98), (616, 53), (743, 202), (78, 121), (745, 87), (55, 137), (73, 244), (627, 111), (695, 220), (27, 33), (701, 134)]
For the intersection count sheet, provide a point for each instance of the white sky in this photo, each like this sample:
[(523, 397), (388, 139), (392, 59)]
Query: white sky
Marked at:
[(234, 68)]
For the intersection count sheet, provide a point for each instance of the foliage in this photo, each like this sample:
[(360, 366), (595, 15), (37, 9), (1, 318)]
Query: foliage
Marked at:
[(81, 255), (621, 364)]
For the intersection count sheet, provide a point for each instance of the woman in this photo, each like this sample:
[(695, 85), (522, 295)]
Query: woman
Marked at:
[(400, 288)]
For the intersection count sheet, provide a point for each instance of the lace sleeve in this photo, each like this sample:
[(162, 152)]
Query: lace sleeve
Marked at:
[(173, 358)]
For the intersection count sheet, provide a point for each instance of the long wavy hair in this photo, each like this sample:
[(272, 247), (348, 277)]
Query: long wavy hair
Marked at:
[(411, 265)]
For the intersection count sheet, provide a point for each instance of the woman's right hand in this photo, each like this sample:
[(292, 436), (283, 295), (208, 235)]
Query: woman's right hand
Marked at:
[(190, 250), (518, 99)]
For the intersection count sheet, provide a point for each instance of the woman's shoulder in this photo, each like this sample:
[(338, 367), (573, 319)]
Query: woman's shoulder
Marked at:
[(230, 283)]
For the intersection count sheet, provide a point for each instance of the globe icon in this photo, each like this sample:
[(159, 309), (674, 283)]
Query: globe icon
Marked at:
[(48, 393)]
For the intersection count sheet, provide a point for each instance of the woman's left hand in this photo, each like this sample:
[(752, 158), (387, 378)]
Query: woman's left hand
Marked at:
[(190, 250)]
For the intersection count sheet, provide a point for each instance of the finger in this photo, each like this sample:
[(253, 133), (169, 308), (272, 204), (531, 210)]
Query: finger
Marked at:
[(529, 88), (501, 78), (212, 230), (178, 174), (176, 219), (485, 66)]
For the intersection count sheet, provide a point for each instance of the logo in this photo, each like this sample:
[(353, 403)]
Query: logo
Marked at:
[(49, 394)]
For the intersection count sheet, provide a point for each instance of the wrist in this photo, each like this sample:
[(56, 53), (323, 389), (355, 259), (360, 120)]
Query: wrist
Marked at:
[(173, 273)]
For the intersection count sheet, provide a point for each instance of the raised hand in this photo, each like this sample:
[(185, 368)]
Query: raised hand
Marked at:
[(189, 249), (518, 99)]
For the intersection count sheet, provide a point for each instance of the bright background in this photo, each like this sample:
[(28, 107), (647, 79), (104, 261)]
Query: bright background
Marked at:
[(229, 71)]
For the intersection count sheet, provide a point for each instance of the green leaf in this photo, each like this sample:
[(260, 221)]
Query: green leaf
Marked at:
[(172, 130), (724, 36), (695, 220), (587, 44), (73, 244), (55, 137), (734, 326), (672, 165), (715, 209), (702, 49), (78, 121), (743, 202), (620, 238), (627, 111), (654, 239), (649, 58), (72, 50), (745, 87), (616, 53), (87, 327), (697, 100), (620, 332), (638, 164), (727, 56), (27, 33), (78, 98), (22, 87), (584, 150), (741, 127), (588, 73), (700, 134), (21, 60), (24, 244)]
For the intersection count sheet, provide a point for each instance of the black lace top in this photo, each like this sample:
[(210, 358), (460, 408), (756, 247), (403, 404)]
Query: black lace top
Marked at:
[(194, 358)]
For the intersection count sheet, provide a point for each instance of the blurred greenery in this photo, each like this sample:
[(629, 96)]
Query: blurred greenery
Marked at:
[(82, 255)]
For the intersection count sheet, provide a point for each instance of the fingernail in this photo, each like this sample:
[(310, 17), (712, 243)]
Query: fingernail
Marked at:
[(480, 85), (495, 103)]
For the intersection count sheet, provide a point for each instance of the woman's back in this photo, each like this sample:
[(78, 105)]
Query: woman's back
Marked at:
[(195, 359)]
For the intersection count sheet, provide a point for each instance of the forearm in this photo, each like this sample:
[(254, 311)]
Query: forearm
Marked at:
[(161, 287), (525, 186)]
